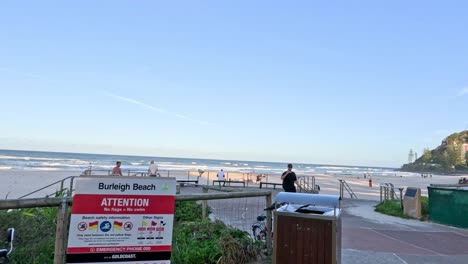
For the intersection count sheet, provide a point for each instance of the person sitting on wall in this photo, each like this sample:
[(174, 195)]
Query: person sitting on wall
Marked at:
[(116, 170), (153, 169)]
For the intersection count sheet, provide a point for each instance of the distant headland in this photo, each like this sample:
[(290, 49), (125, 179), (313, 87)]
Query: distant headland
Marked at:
[(450, 157)]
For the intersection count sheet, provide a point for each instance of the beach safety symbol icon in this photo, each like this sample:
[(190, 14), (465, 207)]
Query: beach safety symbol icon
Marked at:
[(93, 225), (160, 230), (105, 226), (128, 226), (82, 226)]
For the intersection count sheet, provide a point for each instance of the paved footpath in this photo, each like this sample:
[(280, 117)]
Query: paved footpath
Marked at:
[(374, 238)]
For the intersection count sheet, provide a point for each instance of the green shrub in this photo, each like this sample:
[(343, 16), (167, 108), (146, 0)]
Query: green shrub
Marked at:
[(207, 242), (202, 241), (34, 236), (187, 211), (424, 206)]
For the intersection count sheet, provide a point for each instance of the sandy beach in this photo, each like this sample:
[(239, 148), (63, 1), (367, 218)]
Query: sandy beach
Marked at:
[(16, 183)]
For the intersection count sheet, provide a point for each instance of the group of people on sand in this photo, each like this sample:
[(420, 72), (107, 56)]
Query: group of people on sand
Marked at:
[(152, 169), (463, 180), (426, 175), (288, 177)]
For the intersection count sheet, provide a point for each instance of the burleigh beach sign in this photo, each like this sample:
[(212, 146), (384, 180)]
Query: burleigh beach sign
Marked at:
[(122, 220)]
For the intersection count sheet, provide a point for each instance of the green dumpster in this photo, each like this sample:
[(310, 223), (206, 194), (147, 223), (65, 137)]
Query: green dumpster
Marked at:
[(449, 206)]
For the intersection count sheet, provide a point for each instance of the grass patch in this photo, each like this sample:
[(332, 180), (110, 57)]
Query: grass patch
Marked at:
[(390, 208), (393, 208)]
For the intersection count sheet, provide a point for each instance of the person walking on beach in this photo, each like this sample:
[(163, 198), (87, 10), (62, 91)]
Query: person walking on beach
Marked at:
[(153, 169), (116, 170), (289, 179)]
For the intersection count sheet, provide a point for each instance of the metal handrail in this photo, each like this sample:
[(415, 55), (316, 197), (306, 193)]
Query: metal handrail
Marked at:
[(304, 183), (344, 186), (62, 181), (392, 188), (387, 192)]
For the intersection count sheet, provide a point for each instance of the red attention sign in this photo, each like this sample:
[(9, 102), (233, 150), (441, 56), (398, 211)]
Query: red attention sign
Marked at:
[(122, 220)]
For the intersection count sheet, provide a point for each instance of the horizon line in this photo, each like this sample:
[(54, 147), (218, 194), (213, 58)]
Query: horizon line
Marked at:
[(172, 157)]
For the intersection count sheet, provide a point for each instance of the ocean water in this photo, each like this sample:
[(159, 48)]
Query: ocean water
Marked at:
[(50, 161)]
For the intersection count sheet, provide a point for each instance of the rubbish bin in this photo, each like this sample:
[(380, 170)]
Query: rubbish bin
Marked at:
[(307, 229)]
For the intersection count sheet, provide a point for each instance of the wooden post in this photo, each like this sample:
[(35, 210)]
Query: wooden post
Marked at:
[(269, 226), (401, 198), (381, 193), (204, 204), (60, 233)]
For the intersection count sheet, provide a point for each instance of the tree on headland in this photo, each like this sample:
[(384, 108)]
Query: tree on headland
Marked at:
[(454, 155), (444, 161), (427, 156)]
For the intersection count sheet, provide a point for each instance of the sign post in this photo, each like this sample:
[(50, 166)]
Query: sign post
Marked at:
[(122, 220), (412, 202)]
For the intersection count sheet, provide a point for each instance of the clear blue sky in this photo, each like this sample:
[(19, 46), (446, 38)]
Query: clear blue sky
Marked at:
[(306, 81)]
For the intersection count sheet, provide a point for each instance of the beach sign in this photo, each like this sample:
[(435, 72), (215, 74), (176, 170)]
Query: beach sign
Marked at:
[(122, 220)]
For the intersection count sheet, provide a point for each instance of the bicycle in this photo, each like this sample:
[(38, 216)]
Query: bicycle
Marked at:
[(5, 253), (259, 228)]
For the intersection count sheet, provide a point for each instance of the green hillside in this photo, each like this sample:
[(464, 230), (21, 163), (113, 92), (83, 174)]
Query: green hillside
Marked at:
[(450, 156)]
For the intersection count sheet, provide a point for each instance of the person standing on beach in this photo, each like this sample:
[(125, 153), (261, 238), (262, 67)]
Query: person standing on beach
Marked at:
[(289, 179), (116, 170), (221, 176), (153, 169)]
